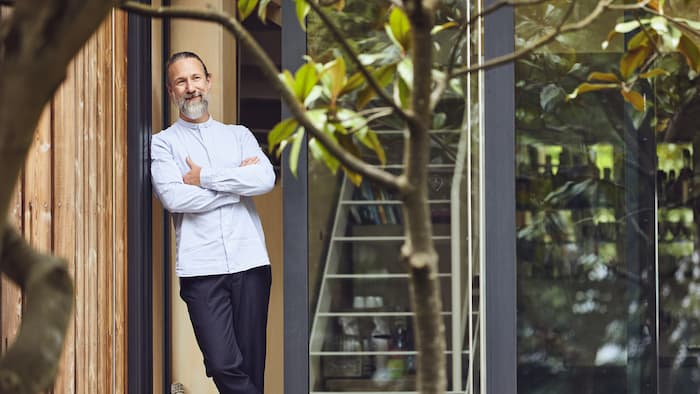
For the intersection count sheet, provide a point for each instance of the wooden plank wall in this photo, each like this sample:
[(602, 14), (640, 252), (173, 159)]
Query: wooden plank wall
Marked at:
[(71, 200)]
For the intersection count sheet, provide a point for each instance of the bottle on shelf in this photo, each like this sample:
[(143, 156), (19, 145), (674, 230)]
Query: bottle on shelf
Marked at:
[(606, 192), (661, 187), (671, 188), (685, 179)]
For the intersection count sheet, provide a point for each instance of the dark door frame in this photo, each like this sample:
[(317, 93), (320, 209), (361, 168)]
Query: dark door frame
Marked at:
[(139, 277)]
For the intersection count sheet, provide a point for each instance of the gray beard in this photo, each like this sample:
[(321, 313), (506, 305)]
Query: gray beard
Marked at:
[(194, 110)]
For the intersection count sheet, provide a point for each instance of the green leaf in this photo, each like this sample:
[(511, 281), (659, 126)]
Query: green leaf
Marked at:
[(335, 70), (437, 29), (262, 9), (659, 24), (315, 93), (550, 96), (304, 81), (634, 98), (281, 131), (354, 82), (399, 29), (405, 69), (691, 52), (402, 94), (632, 60), (354, 177), (606, 77), (319, 152), (302, 10), (245, 8), (590, 87), (318, 118), (654, 73), (296, 148), (641, 39), (693, 24), (626, 27), (456, 85), (288, 80), (383, 75), (370, 140)]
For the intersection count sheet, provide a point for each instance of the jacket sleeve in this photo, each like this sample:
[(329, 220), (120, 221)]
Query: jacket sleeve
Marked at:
[(177, 196), (250, 180)]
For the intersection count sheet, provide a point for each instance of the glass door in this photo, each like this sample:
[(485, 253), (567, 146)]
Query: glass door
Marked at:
[(585, 215), (608, 289)]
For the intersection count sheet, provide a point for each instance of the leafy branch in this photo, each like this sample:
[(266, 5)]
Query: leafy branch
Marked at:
[(270, 71)]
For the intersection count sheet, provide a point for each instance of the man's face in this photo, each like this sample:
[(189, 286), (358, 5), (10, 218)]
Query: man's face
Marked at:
[(189, 88)]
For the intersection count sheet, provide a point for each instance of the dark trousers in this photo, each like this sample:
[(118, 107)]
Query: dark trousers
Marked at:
[(229, 317)]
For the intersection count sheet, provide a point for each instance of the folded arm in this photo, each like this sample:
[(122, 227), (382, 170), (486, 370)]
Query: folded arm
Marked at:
[(176, 196), (252, 178)]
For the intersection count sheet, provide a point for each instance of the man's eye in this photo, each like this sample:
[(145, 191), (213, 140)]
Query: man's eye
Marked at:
[(197, 78)]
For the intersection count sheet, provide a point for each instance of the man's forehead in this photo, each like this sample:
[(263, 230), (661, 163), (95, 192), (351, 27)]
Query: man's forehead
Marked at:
[(186, 66)]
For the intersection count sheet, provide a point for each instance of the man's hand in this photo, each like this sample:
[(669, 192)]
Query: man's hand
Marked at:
[(192, 177), (250, 161)]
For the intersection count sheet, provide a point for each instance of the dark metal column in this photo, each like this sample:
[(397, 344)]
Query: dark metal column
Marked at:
[(295, 216), (499, 277)]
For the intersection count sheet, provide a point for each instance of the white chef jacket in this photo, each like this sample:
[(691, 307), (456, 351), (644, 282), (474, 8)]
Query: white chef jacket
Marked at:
[(217, 229)]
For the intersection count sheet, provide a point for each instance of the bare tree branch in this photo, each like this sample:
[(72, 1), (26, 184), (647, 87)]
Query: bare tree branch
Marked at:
[(30, 365), (497, 6), (270, 71), (601, 7)]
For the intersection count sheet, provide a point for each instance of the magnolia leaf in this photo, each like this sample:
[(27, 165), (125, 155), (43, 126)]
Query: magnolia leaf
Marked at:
[(348, 144), (634, 98), (641, 39), (402, 94), (405, 69), (632, 60), (288, 80), (281, 131), (262, 9), (691, 52), (654, 73), (671, 38), (335, 70), (456, 85), (296, 148), (354, 82), (319, 152), (606, 43), (605, 77), (245, 8), (590, 87), (444, 26), (550, 96), (354, 177), (659, 24), (318, 118), (399, 29), (370, 140), (302, 10), (304, 81), (313, 95), (626, 27), (693, 24), (383, 75)]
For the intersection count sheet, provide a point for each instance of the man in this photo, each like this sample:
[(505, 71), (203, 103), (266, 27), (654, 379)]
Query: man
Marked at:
[(204, 173)]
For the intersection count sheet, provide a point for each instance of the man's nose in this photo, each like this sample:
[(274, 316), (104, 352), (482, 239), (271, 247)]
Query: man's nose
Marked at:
[(189, 86)]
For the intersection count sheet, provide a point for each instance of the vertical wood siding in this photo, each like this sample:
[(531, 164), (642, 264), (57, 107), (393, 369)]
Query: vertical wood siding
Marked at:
[(71, 200)]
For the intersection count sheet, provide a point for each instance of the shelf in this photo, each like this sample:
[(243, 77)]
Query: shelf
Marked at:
[(377, 276), (372, 314), (385, 238), (374, 353)]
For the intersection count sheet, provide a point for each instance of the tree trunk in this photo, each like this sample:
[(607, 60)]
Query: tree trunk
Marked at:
[(419, 251)]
